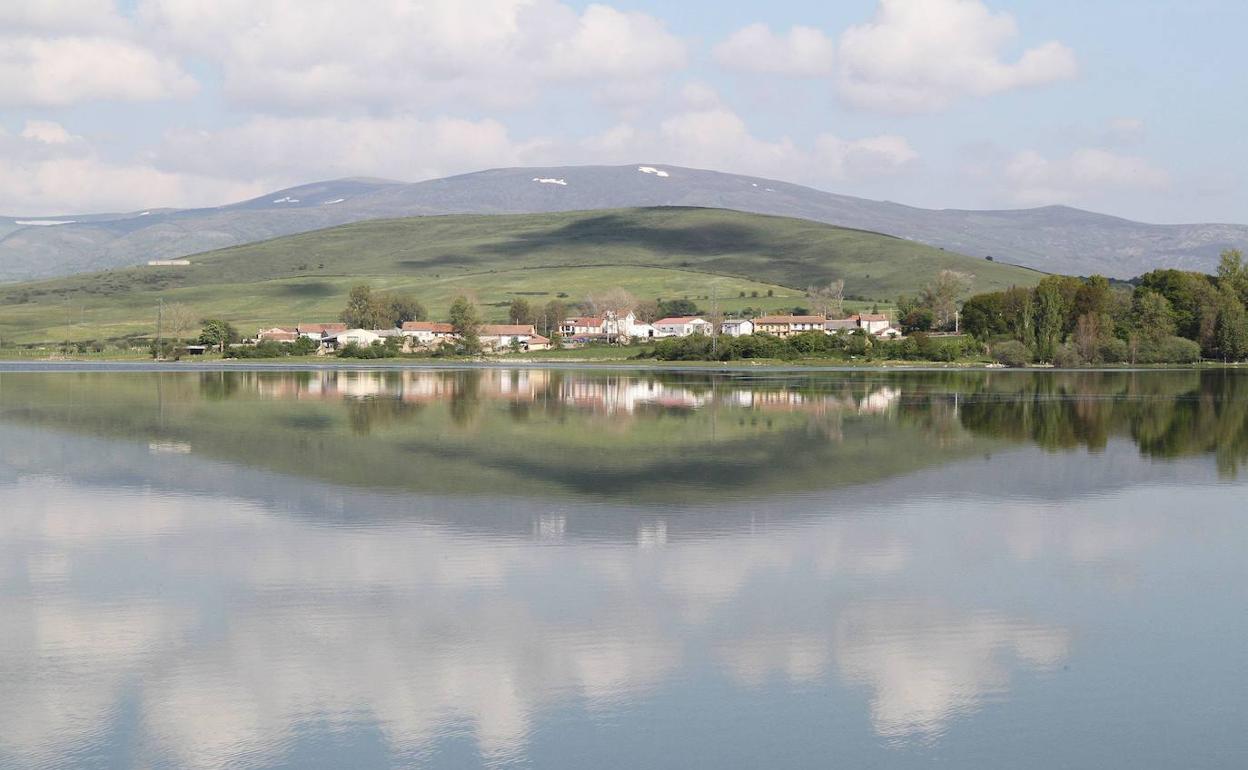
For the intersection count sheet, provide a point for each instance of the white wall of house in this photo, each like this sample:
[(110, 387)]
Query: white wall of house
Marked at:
[(737, 328)]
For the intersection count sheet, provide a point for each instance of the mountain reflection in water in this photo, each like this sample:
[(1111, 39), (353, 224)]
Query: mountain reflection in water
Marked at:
[(589, 569)]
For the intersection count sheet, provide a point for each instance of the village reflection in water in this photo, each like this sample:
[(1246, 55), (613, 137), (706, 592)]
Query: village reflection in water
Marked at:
[(238, 569)]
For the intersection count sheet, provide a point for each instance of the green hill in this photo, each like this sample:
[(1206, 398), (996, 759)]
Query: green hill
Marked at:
[(655, 252)]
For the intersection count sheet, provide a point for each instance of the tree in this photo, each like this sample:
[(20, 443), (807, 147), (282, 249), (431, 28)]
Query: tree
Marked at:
[(942, 293), (521, 312), (1151, 316), (1050, 316), (466, 321), (675, 308), (828, 301), (179, 318), (553, 315), (217, 333), (920, 319), (617, 302), (1233, 272), (366, 310), (1087, 337), (1232, 326), (648, 311), (399, 308)]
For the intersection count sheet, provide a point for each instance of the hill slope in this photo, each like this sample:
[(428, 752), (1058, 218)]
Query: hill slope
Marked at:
[(1054, 239), (668, 252)]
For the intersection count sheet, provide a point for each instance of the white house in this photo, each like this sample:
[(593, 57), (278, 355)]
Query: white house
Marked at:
[(318, 332), (681, 326), (609, 326), (503, 336), (736, 327), (872, 323), (361, 337), (426, 333)]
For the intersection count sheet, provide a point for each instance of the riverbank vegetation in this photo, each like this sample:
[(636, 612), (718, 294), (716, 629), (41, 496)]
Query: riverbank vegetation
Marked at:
[(1166, 316)]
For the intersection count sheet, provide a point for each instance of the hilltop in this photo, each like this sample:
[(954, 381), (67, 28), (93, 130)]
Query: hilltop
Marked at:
[(741, 259), (1053, 239)]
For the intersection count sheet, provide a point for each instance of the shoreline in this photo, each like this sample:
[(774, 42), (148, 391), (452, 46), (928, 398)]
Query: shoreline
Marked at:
[(18, 365)]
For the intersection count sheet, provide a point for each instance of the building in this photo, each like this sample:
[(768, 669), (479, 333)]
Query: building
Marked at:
[(872, 323), (736, 327), (788, 325), (837, 325), (277, 334), (681, 326), (361, 337), (609, 327), (319, 332), (427, 333), (504, 336), (583, 326)]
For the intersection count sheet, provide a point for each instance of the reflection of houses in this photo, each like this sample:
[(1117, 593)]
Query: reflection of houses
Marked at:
[(788, 325), (681, 326), (504, 336)]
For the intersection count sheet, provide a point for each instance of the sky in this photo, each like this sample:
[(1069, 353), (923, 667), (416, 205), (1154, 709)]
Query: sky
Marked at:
[(1129, 107)]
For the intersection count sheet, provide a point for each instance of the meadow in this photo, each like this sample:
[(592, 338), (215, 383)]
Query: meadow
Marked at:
[(726, 258)]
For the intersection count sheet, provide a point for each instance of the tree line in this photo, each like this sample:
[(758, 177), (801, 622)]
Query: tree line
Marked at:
[(1164, 316)]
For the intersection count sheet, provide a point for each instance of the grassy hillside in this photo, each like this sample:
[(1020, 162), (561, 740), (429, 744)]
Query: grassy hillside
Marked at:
[(662, 252)]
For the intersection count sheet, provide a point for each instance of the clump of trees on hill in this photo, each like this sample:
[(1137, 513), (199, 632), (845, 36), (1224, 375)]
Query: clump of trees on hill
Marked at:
[(1166, 316), (368, 309)]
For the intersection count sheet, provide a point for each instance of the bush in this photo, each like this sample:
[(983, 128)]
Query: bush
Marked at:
[(378, 349), (1169, 350), (1011, 353)]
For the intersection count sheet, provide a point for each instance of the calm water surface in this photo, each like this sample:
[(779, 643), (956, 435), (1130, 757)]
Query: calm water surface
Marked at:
[(560, 569)]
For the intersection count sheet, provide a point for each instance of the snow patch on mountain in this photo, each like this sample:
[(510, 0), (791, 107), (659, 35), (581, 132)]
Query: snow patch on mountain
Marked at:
[(653, 170), (43, 222), (550, 180)]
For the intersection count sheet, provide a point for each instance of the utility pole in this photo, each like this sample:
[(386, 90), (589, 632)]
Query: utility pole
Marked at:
[(714, 320), (160, 321)]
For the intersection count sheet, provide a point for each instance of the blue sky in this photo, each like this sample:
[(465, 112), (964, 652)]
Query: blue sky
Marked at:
[(1131, 108)]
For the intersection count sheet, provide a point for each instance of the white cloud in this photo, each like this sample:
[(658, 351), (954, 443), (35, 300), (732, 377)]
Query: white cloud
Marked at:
[(921, 55), (47, 132), (47, 170), (718, 138), (1033, 179), (287, 150), (60, 53), (319, 55), (805, 51)]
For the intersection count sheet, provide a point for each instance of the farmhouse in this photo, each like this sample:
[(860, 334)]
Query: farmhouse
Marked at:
[(503, 336), (736, 327), (427, 333), (788, 325), (277, 334), (681, 326)]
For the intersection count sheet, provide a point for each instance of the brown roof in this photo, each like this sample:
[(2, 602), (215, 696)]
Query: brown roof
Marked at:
[(490, 330), (539, 339), (680, 319), (582, 320), (870, 317), (790, 319), (321, 328), (428, 326)]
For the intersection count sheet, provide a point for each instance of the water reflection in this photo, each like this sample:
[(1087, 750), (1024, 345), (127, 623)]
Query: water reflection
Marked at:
[(221, 607)]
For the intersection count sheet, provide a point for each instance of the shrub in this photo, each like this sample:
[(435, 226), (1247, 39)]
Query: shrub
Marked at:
[(1011, 353), (1169, 350)]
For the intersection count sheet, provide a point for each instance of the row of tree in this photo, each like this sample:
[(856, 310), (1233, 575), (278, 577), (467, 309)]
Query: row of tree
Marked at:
[(1163, 316)]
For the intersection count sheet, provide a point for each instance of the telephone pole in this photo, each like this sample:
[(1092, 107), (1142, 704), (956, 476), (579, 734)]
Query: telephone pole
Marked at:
[(160, 321)]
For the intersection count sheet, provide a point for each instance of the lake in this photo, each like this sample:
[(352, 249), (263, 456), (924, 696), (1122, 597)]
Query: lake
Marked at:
[(608, 569)]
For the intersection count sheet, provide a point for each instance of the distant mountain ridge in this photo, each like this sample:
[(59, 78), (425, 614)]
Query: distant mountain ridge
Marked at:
[(1053, 238)]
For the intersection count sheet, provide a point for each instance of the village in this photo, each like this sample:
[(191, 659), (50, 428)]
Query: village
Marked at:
[(575, 331)]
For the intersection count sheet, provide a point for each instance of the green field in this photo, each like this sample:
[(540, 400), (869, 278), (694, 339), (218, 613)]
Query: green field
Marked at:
[(654, 253)]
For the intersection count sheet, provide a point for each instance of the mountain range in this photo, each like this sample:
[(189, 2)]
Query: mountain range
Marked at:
[(1052, 239)]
